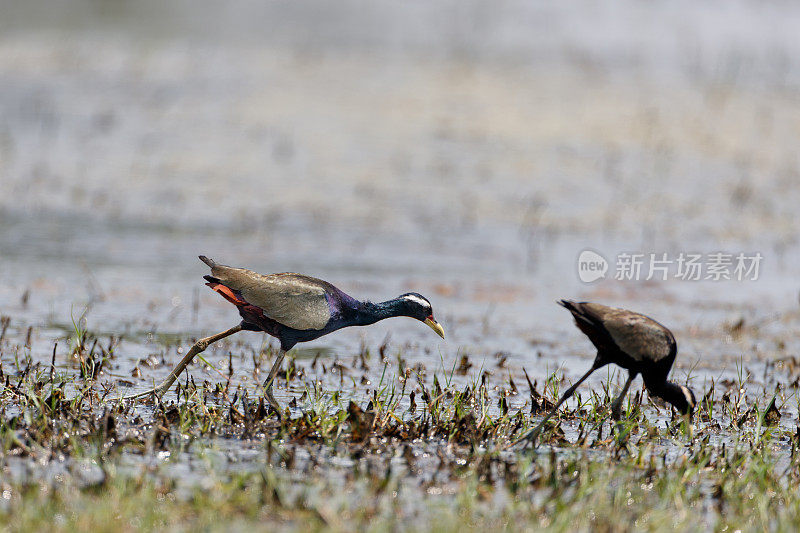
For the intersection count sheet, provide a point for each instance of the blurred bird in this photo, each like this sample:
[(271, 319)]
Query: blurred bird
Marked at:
[(633, 341), (293, 308)]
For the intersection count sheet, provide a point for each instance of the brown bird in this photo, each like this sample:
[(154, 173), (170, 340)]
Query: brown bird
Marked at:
[(633, 341), (293, 308)]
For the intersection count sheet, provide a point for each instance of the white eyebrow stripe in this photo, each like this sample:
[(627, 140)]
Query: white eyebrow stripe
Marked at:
[(687, 395), (417, 299)]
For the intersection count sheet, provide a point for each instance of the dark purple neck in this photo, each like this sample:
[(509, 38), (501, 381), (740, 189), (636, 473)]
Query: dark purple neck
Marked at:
[(369, 313)]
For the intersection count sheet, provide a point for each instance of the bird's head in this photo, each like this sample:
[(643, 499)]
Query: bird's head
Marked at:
[(417, 306), (680, 396), (685, 402)]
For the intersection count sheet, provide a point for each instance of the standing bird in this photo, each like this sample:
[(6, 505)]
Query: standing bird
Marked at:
[(633, 341), (293, 308)]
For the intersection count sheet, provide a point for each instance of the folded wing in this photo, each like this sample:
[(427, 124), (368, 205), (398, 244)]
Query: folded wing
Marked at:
[(296, 301), (639, 336)]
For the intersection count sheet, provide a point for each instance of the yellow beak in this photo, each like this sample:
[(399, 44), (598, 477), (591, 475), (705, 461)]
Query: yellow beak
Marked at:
[(435, 326)]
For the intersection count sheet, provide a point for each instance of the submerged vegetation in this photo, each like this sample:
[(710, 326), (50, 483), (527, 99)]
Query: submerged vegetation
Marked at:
[(401, 447), (467, 150)]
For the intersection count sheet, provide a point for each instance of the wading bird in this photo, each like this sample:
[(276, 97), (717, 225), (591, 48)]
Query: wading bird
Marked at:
[(293, 308), (633, 341)]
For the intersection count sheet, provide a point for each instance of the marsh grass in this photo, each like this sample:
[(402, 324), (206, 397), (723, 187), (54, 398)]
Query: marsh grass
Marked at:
[(420, 450)]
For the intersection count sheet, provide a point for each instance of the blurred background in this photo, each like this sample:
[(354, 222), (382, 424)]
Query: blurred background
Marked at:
[(468, 150)]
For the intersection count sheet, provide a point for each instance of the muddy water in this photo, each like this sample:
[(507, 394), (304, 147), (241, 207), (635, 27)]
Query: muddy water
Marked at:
[(472, 165)]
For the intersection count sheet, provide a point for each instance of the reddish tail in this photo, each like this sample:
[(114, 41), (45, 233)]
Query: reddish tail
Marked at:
[(227, 293)]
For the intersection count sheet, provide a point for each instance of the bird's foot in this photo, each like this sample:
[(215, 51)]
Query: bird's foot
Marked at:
[(529, 438), (158, 392), (273, 402)]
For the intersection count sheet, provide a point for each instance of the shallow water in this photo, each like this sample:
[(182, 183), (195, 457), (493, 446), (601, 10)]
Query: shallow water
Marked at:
[(472, 165)]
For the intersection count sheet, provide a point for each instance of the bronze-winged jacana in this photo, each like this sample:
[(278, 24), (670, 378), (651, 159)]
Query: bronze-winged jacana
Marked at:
[(633, 341), (293, 308)]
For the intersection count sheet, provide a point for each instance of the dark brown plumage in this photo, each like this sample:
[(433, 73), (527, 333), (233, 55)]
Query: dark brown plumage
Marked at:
[(633, 341)]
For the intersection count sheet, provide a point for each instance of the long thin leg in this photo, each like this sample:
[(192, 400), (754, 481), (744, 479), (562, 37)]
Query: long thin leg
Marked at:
[(532, 435), (270, 379), (616, 405), (198, 347)]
